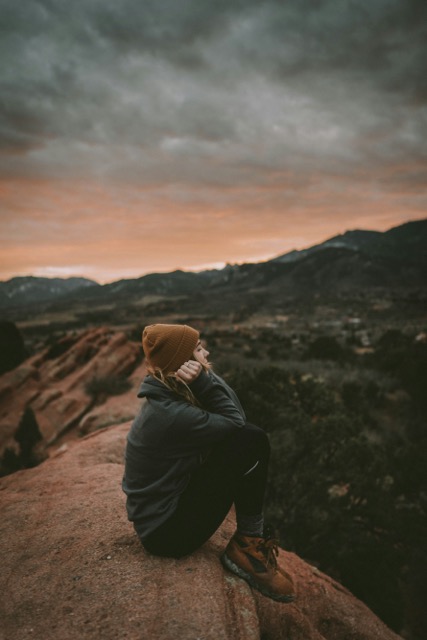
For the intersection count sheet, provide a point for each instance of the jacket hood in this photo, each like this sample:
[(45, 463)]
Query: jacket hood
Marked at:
[(152, 388)]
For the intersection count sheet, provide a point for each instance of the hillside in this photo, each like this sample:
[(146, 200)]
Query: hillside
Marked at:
[(29, 290), (356, 263), (83, 382), (406, 241)]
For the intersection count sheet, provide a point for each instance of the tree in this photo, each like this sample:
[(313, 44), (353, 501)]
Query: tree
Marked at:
[(12, 348)]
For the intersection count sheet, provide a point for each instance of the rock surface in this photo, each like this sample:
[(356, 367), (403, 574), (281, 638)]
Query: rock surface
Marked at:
[(54, 384), (72, 568)]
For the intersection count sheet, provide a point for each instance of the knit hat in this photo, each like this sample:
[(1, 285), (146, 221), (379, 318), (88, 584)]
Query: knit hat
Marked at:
[(168, 346)]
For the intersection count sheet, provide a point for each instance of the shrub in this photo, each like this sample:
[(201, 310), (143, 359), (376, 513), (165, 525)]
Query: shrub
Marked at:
[(352, 503), (327, 348), (111, 385), (12, 349)]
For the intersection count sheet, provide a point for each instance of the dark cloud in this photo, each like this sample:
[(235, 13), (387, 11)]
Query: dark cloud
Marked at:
[(211, 92)]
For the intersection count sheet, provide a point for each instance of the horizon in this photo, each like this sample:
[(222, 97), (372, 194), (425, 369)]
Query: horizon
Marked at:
[(199, 268), (141, 138)]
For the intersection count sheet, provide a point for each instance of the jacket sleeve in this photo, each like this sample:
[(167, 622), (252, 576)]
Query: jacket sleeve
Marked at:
[(196, 427), (229, 391)]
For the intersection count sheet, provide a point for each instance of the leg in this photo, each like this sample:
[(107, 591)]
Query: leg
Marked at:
[(212, 489)]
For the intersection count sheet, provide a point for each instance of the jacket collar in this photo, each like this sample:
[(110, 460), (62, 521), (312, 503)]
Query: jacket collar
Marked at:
[(153, 388)]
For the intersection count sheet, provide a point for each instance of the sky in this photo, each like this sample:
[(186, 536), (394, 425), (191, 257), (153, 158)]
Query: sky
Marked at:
[(141, 136)]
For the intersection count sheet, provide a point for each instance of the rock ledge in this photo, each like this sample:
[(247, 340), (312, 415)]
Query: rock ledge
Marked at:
[(74, 569)]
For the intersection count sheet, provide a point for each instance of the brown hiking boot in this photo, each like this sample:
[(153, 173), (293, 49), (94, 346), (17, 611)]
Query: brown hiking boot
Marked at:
[(255, 560)]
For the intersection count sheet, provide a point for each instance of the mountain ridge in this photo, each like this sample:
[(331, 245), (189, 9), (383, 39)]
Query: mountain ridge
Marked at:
[(28, 289), (361, 240), (353, 260)]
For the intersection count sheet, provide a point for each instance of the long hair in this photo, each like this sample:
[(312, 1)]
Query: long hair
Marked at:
[(175, 384)]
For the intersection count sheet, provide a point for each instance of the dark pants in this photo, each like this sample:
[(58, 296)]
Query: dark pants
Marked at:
[(222, 480)]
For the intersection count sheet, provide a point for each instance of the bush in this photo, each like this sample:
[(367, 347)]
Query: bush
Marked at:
[(400, 356), (27, 436), (327, 348), (353, 503), (12, 349), (111, 385)]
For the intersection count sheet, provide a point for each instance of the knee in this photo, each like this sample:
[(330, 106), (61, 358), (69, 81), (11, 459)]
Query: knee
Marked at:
[(258, 437), (245, 443)]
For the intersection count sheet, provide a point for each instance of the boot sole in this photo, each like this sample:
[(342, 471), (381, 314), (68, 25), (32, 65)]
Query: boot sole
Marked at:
[(231, 566)]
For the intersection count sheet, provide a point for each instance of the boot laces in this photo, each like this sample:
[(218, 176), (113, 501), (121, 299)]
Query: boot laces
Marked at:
[(269, 547)]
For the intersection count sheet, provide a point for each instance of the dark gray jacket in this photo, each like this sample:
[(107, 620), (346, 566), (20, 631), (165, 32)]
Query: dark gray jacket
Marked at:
[(168, 440)]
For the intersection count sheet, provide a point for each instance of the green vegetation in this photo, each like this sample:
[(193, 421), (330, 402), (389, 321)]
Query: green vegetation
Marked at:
[(348, 482), (12, 348)]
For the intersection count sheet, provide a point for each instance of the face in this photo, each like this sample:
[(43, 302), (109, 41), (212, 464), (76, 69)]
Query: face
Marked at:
[(201, 354)]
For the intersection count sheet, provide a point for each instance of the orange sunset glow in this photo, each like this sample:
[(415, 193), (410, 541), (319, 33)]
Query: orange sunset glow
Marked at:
[(267, 130)]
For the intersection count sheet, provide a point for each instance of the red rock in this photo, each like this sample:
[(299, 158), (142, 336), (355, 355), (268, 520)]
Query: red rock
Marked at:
[(72, 567), (56, 387), (115, 409)]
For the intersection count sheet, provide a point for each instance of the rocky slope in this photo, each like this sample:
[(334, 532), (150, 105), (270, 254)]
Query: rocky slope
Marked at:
[(73, 568), (68, 390)]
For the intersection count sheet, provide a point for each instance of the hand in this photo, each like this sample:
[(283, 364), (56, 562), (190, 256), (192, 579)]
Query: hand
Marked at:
[(189, 371)]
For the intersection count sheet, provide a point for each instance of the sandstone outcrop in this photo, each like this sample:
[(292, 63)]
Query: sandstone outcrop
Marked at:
[(72, 568), (55, 385)]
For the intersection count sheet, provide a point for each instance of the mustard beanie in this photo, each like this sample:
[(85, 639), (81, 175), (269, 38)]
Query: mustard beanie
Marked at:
[(168, 346)]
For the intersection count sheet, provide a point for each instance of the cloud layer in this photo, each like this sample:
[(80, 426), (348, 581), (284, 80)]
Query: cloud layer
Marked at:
[(140, 136)]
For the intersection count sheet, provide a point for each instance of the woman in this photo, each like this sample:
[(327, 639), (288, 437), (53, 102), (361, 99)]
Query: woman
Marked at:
[(190, 455)]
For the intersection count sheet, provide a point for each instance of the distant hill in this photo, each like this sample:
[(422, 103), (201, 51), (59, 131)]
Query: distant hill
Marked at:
[(357, 260), (30, 289), (354, 240), (408, 242)]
